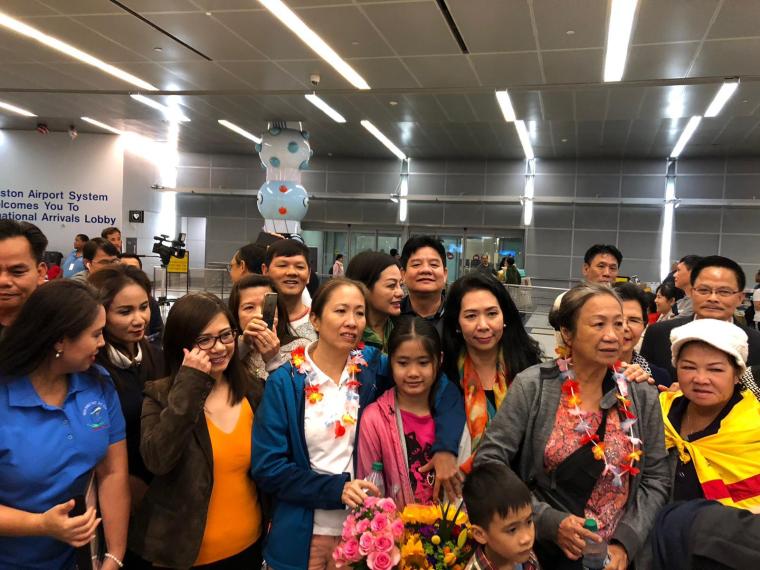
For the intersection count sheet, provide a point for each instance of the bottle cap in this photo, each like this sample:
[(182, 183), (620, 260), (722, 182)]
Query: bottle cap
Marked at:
[(590, 524), (377, 466)]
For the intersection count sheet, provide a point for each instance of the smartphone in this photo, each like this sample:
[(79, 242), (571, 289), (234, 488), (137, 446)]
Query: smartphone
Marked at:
[(269, 309)]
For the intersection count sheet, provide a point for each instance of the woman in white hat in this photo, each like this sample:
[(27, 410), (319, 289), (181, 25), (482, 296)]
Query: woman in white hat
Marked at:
[(712, 425)]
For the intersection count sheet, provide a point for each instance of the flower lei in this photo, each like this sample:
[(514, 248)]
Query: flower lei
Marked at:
[(313, 390), (571, 388)]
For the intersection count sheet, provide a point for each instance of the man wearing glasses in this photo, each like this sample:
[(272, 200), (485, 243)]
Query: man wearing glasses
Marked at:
[(717, 290), (97, 254)]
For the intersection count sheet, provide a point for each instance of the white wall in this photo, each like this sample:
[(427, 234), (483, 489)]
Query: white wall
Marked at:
[(83, 177)]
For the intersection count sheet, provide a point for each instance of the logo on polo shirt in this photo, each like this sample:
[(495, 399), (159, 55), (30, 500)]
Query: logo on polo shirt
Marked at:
[(96, 415)]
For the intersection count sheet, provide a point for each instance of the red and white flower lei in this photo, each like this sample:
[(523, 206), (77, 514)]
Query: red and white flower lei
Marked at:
[(313, 389)]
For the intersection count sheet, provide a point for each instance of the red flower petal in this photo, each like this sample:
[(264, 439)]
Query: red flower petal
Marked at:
[(340, 430)]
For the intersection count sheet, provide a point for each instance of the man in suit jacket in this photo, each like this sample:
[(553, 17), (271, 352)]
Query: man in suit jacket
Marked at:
[(717, 287)]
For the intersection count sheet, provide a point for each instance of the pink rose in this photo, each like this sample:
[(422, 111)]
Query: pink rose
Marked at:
[(361, 526), (379, 523), (349, 528), (351, 550), (384, 543), (339, 556), (370, 501), (387, 505), (366, 542), (397, 528), (383, 560)]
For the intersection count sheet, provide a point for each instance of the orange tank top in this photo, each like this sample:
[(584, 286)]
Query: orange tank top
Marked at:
[(234, 515)]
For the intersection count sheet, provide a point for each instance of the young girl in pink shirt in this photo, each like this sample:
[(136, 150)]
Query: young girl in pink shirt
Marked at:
[(398, 428)]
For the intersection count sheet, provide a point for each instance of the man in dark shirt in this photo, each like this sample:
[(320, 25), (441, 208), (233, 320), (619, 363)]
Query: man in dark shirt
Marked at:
[(423, 268), (717, 288)]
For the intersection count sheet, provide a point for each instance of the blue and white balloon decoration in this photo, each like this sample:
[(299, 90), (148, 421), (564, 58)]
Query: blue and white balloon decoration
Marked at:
[(282, 201)]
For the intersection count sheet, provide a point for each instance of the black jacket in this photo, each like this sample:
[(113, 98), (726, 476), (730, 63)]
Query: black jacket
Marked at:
[(169, 524), (656, 346)]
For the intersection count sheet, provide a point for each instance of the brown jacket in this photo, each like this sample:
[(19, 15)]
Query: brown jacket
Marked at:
[(168, 527)]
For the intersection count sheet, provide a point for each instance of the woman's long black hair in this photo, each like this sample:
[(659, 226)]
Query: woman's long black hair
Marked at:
[(520, 351)]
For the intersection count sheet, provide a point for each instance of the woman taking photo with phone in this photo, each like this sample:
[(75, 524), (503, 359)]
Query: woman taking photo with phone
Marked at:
[(266, 339), (61, 421), (127, 355), (202, 508), (308, 424)]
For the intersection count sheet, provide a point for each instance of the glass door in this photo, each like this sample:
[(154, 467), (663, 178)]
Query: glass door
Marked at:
[(385, 243), (476, 247), (453, 247), (334, 243), (360, 243)]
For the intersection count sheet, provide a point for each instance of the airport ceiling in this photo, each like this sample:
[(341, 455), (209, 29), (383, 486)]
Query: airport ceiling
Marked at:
[(432, 79)]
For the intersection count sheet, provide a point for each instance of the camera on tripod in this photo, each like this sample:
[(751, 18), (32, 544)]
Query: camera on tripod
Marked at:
[(174, 248)]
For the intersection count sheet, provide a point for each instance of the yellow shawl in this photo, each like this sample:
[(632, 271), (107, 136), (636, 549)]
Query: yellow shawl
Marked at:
[(728, 462)]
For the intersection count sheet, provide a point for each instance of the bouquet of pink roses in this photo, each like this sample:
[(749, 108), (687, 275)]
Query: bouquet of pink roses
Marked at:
[(371, 537)]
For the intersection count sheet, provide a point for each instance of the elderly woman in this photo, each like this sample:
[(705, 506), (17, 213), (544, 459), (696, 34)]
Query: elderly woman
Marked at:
[(634, 302), (711, 426), (589, 443)]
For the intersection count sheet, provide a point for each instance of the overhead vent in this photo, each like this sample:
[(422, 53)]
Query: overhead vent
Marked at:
[(159, 28), (452, 25)]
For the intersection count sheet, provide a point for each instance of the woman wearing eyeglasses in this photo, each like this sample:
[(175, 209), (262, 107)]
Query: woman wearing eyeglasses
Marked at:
[(202, 509)]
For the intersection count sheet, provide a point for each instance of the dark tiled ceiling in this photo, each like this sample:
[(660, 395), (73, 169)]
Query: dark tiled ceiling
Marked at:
[(428, 96)]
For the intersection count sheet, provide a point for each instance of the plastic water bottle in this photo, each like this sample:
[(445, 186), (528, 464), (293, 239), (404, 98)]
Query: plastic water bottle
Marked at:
[(595, 553), (376, 477)]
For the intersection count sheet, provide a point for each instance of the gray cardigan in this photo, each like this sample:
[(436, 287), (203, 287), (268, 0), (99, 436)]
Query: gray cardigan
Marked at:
[(521, 429)]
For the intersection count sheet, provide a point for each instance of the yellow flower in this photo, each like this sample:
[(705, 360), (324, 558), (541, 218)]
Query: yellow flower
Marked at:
[(452, 510), (450, 559), (635, 455), (413, 554), (462, 540), (420, 514), (598, 451), (436, 539)]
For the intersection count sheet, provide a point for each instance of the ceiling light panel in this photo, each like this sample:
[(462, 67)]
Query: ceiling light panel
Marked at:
[(320, 104), (103, 126), (239, 130), (622, 15), (17, 110), (383, 139), (721, 98), (289, 18), (170, 113), (68, 49), (506, 106), (691, 126)]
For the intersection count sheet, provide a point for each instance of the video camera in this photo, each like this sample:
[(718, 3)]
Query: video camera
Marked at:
[(175, 248)]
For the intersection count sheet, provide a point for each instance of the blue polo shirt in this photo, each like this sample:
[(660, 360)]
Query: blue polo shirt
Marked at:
[(46, 454), (72, 264)]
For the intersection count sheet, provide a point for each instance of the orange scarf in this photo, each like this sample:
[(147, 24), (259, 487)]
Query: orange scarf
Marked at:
[(478, 409)]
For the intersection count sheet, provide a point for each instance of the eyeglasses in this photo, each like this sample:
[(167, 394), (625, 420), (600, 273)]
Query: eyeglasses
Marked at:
[(208, 342), (708, 292)]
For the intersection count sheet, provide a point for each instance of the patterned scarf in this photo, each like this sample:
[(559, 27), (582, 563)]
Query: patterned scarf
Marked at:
[(478, 408)]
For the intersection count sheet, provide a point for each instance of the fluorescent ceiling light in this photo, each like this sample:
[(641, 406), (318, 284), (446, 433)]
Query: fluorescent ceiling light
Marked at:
[(242, 132), (170, 113), (114, 130), (403, 207), (17, 110), (622, 14), (68, 49), (721, 97), (383, 139), (325, 108), (311, 39), (667, 227), (506, 106), (691, 126), (522, 132)]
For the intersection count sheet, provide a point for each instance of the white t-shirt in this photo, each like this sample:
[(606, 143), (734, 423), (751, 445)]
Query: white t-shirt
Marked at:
[(329, 454), (303, 328), (756, 299)]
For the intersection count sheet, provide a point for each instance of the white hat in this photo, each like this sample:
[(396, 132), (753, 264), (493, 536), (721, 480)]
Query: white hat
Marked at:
[(722, 335)]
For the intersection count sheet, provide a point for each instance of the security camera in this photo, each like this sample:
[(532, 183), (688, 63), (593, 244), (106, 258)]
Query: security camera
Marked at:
[(315, 79)]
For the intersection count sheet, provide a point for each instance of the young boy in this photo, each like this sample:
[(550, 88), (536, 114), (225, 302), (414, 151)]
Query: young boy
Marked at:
[(287, 263), (499, 506)]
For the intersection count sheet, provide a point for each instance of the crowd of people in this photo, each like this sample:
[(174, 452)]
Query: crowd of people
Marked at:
[(242, 432)]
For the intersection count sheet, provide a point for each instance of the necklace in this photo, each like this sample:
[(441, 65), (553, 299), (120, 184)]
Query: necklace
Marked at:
[(572, 400), (348, 416)]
